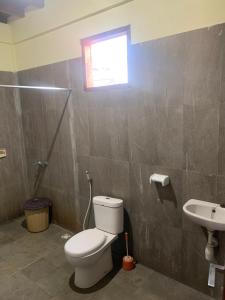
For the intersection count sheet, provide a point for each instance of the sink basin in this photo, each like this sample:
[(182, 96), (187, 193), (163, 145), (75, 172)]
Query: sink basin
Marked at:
[(206, 214)]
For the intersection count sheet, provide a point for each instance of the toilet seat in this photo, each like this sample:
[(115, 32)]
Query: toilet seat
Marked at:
[(85, 242)]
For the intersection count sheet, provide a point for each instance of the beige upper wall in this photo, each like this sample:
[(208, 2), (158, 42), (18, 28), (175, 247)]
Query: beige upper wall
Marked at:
[(7, 62), (57, 13), (53, 34)]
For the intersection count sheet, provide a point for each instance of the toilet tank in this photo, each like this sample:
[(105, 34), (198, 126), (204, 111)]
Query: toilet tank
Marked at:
[(108, 214)]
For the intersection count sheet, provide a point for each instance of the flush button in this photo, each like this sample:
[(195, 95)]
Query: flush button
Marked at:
[(2, 153)]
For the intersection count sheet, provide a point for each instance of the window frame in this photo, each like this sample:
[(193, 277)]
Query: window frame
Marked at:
[(98, 38)]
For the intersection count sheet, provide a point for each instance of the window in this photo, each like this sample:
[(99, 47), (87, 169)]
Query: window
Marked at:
[(105, 58)]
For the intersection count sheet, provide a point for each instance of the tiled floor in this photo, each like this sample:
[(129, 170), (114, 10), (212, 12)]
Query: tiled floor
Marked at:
[(33, 266)]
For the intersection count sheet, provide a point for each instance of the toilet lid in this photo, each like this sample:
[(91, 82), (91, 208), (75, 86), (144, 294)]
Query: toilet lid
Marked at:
[(85, 242)]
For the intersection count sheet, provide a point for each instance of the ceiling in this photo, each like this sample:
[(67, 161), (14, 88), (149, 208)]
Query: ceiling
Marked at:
[(13, 9)]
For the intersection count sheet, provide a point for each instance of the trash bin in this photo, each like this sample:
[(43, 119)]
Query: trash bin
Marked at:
[(37, 214)]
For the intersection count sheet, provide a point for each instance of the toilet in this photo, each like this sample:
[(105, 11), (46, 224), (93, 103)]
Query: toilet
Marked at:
[(90, 250)]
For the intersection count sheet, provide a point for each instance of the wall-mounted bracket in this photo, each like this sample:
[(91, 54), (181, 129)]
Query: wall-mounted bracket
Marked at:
[(3, 153), (40, 163)]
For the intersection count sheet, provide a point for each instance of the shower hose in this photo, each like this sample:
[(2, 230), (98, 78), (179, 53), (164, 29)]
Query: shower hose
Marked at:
[(87, 214)]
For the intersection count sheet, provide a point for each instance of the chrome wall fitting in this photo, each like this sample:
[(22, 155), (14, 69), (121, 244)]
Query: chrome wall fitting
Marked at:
[(212, 274)]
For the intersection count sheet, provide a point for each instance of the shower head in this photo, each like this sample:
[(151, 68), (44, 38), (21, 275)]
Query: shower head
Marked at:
[(88, 176)]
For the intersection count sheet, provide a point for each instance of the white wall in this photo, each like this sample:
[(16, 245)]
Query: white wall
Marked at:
[(53, 34)]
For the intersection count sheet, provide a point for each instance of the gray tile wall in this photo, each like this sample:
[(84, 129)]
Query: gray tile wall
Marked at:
[(170, 119), (42, 111), (13, 179)]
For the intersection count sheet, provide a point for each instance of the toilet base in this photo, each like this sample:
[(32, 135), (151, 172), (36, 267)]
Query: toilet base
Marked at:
[(87, 276)]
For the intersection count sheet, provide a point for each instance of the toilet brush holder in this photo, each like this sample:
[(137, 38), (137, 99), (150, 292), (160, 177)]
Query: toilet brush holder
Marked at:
[(128, 261)]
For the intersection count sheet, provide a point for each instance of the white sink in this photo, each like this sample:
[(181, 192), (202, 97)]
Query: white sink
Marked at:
[(207, 214)]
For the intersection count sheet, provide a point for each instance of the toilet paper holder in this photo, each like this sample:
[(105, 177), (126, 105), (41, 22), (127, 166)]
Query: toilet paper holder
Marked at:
[(163, 179)]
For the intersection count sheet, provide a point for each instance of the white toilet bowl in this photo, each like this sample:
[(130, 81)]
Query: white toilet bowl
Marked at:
[(90, 253), (90, 250)]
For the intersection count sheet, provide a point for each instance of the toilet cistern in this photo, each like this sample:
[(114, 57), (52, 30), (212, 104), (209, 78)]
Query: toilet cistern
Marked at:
[(159, 178)]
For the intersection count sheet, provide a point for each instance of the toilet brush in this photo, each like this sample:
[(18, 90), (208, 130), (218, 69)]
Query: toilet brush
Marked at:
[(128, 261)]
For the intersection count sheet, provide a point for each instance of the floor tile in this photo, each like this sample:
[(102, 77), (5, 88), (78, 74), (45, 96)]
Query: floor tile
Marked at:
[(33, 267)]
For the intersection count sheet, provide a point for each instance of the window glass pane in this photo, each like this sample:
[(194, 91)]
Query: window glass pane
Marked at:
[(105, 59), (109, 61)]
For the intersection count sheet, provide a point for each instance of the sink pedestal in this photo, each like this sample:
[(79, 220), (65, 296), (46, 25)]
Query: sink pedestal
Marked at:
[(210, 247)]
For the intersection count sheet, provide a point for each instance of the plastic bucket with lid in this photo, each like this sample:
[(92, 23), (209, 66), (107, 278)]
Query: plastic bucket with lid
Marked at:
[(37, 214)]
